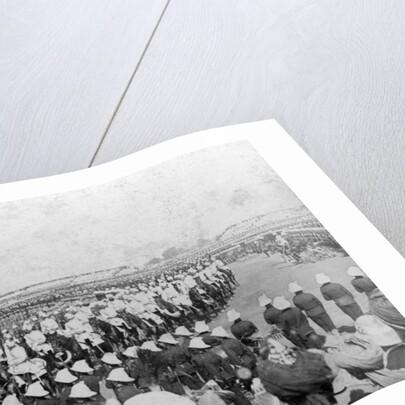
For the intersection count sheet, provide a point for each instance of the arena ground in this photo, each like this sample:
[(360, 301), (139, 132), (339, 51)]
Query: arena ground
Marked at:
[(271, 275)]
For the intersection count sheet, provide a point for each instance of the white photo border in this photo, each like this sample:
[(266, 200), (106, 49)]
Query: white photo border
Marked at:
[(362, 241)]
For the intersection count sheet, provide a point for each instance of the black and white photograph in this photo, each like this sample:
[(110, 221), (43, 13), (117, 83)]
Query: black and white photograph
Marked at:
[(201, 280)]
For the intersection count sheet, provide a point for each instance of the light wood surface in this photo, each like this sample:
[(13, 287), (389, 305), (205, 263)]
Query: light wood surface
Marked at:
[(63, 67), (330, 72)]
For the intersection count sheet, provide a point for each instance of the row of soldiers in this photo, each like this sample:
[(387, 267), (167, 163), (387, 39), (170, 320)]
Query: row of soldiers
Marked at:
[(165, 279), (292, 320), (157, 337), (131, 329), (180, 363), (301, 366), (292, 248)]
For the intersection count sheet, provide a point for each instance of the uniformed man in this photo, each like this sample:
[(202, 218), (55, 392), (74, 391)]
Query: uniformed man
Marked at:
[(360, 282), (137, 368), (48, 325), (271, 315), (36, 340), (211, 366), (183, 335), (340, 295), (295, 325), (64, 382), (240, 329), (179, 360), (109, 362), (37, 395), (219, 264), (81, 394), (122, 384), (18, 332), (165, 374), (312, 306), (35, 323), (85, 374), (239, 354), (202, 330), (282, 245)]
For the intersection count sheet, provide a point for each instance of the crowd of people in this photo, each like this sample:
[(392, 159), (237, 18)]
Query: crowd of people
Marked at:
[(296, 247), (153, 337)]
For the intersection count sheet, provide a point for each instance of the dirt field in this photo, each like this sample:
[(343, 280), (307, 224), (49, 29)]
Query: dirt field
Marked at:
[(271, 276)]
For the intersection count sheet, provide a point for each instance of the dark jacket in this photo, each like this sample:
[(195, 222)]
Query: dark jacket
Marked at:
[(212, 367), (92, 381), (179, 359), (238, 353), (125, 392), (308, 303), (363, 285), (166, 376), (208, 339), (336, 292), (272, 315), (140, 371), (293, 320), (241, 329), (64, 393)]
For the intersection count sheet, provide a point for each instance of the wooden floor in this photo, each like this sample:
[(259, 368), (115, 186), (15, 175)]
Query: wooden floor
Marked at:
[(85, 82)]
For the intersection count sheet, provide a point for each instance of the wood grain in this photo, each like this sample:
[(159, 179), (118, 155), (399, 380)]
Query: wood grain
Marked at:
[(330, 72), (63, 68)]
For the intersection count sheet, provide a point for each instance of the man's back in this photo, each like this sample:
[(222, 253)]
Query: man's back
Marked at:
[(243, 329), (272, 315), (363, 284), (333, 291), (308, 303)]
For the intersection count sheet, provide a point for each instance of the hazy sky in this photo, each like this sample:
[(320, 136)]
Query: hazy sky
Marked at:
[(134, 219)]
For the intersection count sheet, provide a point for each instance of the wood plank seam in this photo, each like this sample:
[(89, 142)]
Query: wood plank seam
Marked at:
[(138, 64)]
